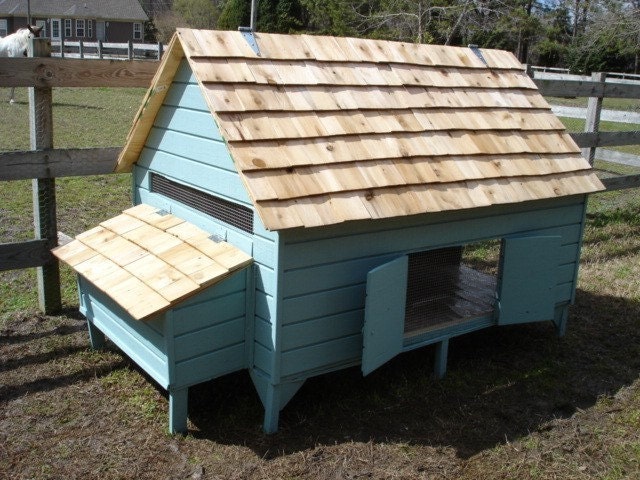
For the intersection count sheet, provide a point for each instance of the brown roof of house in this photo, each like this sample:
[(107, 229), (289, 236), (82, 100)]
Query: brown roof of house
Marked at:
[(94, 9), (325, 130), (147, 260)]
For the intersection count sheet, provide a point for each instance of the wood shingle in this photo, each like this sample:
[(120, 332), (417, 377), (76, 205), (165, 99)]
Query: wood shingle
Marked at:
[(326, 130)]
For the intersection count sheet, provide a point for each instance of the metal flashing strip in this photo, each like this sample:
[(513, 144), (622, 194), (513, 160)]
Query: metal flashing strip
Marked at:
[(474, 48), (247, 33)]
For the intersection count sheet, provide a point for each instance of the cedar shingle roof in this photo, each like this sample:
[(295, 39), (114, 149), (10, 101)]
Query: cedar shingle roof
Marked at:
[(325, 130), (147, 260)]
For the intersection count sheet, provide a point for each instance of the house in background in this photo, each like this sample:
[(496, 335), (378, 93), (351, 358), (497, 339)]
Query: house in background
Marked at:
[(89, 20)]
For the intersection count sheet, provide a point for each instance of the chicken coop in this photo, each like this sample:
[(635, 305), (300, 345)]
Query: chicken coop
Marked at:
[(304, 204)]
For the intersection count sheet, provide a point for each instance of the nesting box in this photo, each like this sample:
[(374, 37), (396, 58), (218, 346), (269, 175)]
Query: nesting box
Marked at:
[(345, 179)]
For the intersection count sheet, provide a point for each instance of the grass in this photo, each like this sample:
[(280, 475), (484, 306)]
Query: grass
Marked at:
[(516, 403), (577, 125), (92, 117), (625, 104)]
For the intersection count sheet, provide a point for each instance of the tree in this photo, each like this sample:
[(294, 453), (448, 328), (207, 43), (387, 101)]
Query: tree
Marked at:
[(329, 17), (610, 41), (166, 23), (552, 49), (411, 20), (235, 13), (283, 16), (198, 13)]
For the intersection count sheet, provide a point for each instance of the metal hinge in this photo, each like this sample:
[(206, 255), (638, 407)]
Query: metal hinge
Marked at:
[(247, 33), (474, 48)]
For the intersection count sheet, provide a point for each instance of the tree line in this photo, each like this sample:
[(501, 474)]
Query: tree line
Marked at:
[(581, 35)]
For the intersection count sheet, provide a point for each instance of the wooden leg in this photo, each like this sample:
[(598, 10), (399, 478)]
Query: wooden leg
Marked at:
[(178, 406), (440, 364), (272, 409), (96, 337), (561, 322)]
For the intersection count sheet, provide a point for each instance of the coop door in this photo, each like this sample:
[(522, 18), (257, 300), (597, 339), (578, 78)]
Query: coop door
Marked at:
[(382, 334), (528, 267)]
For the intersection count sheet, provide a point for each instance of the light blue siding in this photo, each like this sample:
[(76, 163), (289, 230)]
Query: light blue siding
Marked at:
[(213, 179), (185, 146), (138, 340), (227, 360), (324, 270), (176, 347), (192, 122), (185, 95)]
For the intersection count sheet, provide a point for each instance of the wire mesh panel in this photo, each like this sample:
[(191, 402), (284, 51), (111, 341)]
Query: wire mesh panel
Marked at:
[(237, 215), (442, 290)]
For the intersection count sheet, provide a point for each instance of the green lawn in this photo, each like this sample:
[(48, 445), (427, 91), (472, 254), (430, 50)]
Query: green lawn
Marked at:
[(86, 117), (626, 104), (517, 402)]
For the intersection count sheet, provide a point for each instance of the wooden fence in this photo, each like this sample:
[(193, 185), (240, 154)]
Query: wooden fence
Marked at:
[(596, 89), (127, 50), (44, 163)]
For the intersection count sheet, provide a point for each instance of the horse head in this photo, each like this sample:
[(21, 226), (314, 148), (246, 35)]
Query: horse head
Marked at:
[(35, 30)]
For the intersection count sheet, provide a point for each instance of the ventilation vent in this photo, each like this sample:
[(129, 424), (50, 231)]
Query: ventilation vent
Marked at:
[(236, 215)]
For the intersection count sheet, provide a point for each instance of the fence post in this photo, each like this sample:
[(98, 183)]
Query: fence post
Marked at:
[(100, 49), (44, 189), (528, 68), (61, 45), (594, 107), (81, 49), (160, 47), (130, 50)]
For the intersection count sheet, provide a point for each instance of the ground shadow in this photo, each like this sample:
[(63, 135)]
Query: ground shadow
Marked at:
[(12, 392), (29, 337), (502, 384), (30, 342)]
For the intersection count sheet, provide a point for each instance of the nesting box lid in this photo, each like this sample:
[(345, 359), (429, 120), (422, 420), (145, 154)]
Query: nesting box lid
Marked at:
[(147, 261), (325, 130)]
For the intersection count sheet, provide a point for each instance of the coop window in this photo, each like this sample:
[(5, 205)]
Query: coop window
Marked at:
[(237, 215), (450, 285)]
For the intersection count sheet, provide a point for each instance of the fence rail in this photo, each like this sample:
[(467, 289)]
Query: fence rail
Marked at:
[(596, 89), (46, 164), (129, 50), (566, 74)]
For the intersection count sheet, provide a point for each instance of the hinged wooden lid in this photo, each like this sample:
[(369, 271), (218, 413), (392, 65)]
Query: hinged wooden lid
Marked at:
[(147, 260)]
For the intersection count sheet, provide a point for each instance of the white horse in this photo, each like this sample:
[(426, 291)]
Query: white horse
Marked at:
[(16, 44)]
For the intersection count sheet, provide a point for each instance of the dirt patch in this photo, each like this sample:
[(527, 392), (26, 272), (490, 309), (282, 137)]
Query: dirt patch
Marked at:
[(517, 403)]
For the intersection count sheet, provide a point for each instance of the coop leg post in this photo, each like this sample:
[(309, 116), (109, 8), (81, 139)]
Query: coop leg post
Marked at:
[(272, 409), (178, 406), (440, 364), (561, 322), (96, 337)]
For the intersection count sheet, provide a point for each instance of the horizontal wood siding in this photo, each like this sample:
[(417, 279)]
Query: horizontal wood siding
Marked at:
[(143, 342), (324, 270), (185, 145), (209, 332), (190, 371)]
